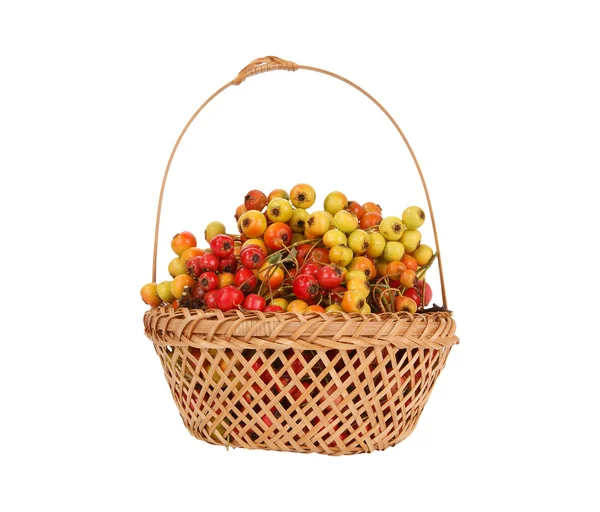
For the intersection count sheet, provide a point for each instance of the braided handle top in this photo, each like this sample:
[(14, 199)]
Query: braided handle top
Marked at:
[(263, 65)]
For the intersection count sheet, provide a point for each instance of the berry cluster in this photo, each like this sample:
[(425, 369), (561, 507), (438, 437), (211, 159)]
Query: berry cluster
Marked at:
[(346, 257)]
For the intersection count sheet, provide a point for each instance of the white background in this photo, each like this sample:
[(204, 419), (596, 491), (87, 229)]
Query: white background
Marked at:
[(500, 103)]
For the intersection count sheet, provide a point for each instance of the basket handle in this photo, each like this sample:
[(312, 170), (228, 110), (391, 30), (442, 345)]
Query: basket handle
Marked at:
[(270, 63)]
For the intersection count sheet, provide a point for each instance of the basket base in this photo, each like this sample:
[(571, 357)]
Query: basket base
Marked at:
[(328, 402), (360, 441)]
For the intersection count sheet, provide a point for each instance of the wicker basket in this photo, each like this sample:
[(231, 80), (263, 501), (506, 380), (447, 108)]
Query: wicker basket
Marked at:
[(334, 384)]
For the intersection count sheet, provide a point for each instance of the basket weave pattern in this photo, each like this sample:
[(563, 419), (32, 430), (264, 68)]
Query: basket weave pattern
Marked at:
[(333, 384)]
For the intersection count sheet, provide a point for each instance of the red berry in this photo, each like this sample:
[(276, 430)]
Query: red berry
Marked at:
[(273, 307), (306, 287), (254, 302), (252, 256), (221, 245), (427, 295), (330, 277), (302, 251), (210, 299), (205, 263), (228, 264), (194, 266), (336, 295), (356, 209), (255, 200), (245, 280), (229, 297), (208, 281), (198, 293), (311, 269), (319, 254), (413, 294)]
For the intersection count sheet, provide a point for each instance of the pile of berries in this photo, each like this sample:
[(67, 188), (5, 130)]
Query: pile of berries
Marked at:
[(346, 257)]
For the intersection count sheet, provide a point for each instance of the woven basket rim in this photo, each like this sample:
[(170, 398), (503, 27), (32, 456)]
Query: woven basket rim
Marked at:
[(312, 331)]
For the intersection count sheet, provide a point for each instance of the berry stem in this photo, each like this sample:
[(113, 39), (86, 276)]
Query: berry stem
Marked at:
[(425, 268), (422, 293)]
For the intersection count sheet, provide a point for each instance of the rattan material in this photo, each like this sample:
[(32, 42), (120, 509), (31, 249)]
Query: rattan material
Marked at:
[(319, 383), (262, 65), (316, 331), (361, 386)]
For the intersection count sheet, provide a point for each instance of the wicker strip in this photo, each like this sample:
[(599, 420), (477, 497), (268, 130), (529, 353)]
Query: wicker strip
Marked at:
[(262, 65), (316, 331), (349, 402), (331, 384)]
